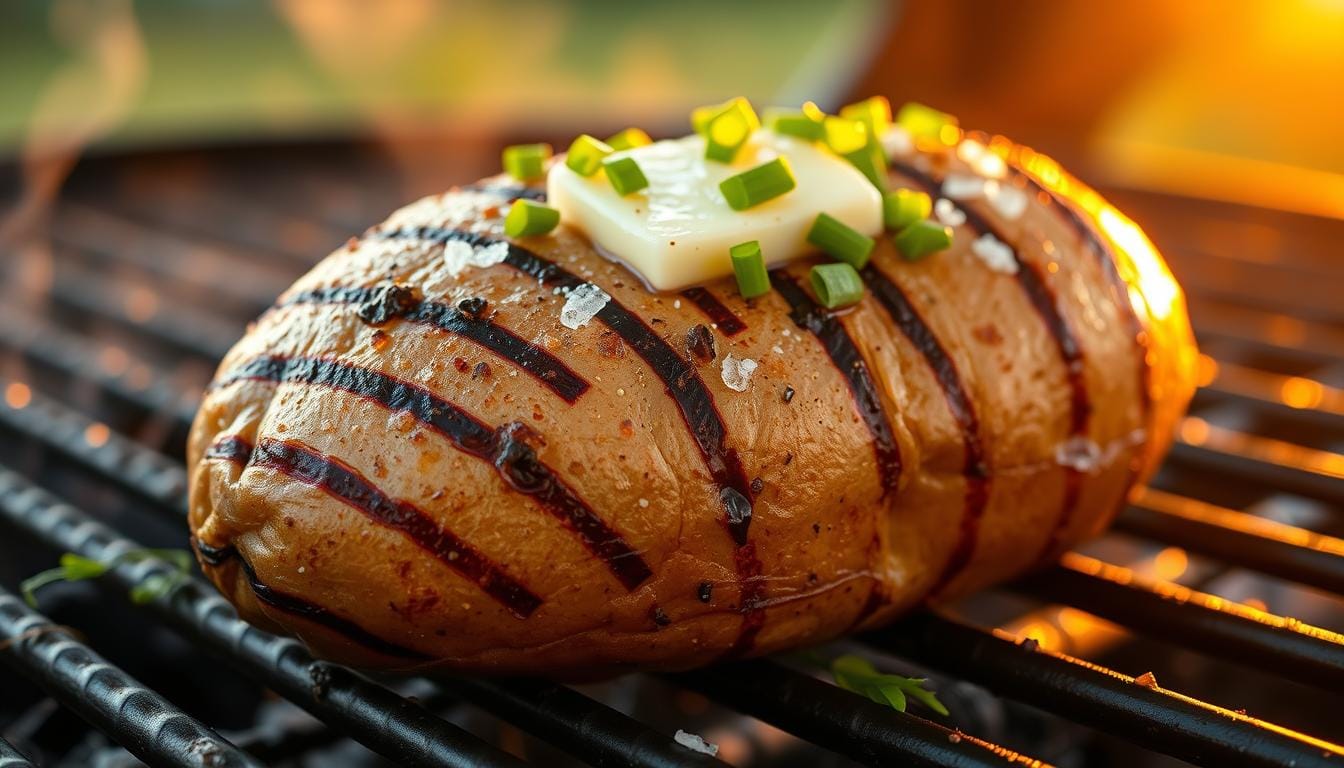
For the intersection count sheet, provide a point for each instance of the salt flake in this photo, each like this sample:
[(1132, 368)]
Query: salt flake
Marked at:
[(948, 212), (459, 255), (693, 742), (737, 373), (581, 304), (1010, 202), (995, 254), (897, 142), (1078, 453), (962, 186)]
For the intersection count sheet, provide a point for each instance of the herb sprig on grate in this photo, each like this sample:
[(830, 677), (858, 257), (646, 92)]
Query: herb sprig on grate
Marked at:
[(857, 674), (75, 567)]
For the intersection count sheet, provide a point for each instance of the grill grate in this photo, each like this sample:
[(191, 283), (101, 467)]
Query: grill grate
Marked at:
[(99, 380)]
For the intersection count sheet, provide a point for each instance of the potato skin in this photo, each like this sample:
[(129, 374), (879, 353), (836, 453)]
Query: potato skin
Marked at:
[(341, 510)]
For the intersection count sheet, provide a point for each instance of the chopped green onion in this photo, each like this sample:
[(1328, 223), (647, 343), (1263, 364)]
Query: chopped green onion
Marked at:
[(844, 136), (702, 116), (903, 207), (629, 139), (836, 285), (727, 132), (527, 218), (874, 113), (625, 175), (586, 154), (795, 123), (527, 162), (811, 109), (762, 183), (841, 241), (926, 122), (749, 266), (923, 238), (871, 162)]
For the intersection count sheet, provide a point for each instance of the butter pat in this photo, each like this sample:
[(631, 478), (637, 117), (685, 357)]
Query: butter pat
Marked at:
[(676, 232)]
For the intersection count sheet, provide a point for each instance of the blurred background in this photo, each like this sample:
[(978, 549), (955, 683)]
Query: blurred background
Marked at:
[(166, 169)]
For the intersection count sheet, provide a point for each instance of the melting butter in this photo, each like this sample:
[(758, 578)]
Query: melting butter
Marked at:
[(677, 232)]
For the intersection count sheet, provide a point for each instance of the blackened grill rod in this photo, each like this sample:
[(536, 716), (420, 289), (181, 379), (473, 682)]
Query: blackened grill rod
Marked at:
[(134, 716), (12, 758), (842, 721), (370, 713), (1257, 543), (1200, 622), (1086, 693)]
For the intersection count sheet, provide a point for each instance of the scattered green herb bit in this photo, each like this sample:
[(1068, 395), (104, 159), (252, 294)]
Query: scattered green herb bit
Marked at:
[(586, 154), (836, 285), (727, 132), (629, 139), (764, 182), (702, 116), (924, 122), (528, 217), (903, 207), (811, 109), (526, 162), (795, 123), (625, 175), (871, 162), (874, 113), (857, 674), (749, 266), (923, 238), (844, 136), (841, 241), (75, 567)]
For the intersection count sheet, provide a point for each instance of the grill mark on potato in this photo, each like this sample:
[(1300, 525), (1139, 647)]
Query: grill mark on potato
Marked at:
[(292, 604), (718, 313), (532, 359), (842, 351), (515, 461), (1043, 300), (687, 390), (343, 482), (1119, 288), (922, 337)]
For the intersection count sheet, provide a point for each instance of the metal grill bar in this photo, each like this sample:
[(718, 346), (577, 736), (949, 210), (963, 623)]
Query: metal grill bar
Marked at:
[(1195, 620), (841, 721), (1306, 472), (1248, 541), (1156, 718), (370, 713), (587, 729), (12, 758), (116, 703)]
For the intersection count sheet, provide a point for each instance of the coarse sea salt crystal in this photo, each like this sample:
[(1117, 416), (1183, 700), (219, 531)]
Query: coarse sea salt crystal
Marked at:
[(737, 373), (1010, 202), (693, 742), (962, 186), (995, 254), (1078, 452), (582, 304), (458, 255), (948, 212), (897, 142)]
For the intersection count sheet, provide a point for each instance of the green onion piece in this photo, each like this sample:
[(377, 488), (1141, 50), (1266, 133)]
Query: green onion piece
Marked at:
[(811, 109), (844, 136), (629, 139), (702, 116), (874, 113), (795, 123), (625, 175), (841, 241), (836, 285), (527, 218), (526, 162), (749, 266), (725, 135), (586, 154), (923, 238), (926, 122), (871, 162), (762, 183), (903, 207)]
